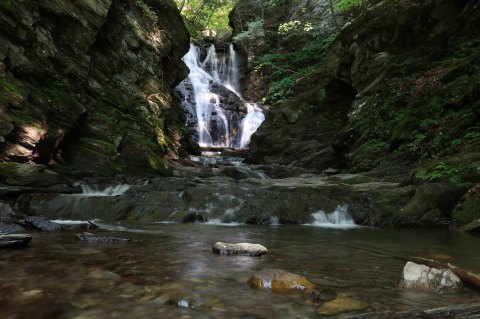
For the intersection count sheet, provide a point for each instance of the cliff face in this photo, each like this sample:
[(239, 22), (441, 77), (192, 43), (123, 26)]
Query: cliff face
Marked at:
[(396, 92), (397, 84), (88, 84)]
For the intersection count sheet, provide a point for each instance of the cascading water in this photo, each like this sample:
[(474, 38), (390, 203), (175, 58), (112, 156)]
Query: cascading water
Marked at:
[(250, 123), (211, 85)]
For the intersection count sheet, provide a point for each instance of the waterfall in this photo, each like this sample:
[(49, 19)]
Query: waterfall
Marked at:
[(211, 85), (337, 219), (250, 123)]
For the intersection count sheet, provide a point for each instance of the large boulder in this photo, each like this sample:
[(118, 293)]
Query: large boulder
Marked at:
[(417, 276), (279, 280)]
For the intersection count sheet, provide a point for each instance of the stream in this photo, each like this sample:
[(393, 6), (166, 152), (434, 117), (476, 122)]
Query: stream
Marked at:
[(172, 272)]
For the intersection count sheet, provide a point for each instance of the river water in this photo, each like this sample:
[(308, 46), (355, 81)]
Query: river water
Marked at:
[(172, 273)]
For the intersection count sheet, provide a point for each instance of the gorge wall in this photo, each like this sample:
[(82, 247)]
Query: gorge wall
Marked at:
[(394, 93), (88, 84)]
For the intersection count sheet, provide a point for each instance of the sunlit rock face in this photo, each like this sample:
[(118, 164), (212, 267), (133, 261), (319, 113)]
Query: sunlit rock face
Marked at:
[(89, 83), (417, 276)]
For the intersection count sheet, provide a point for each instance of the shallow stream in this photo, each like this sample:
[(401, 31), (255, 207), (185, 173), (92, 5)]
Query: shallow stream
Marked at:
[(172, 272)]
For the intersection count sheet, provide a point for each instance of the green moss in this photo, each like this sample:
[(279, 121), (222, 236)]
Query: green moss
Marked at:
[(9, 174), (101, 145), (159, 164), (467, 211)]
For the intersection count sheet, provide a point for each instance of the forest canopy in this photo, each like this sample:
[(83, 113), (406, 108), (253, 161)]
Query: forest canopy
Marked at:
[(205, 14)]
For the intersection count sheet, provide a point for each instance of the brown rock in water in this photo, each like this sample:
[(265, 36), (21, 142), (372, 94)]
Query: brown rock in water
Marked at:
[(340, 305), (279, 280), (244, 249)]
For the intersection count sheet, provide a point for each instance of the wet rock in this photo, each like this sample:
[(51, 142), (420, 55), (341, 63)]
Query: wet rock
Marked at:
[(14, 240), (244, 249), (40, 224), (340, 305), (10, 228), (417, 276), (194, 218), (102, 239), (279, 280)]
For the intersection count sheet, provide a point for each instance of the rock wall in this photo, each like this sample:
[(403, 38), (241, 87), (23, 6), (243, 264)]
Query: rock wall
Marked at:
[(88, 84), (396, 95)]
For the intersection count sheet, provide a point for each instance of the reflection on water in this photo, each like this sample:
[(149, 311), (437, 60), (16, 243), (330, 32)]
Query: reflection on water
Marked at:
[(59, 277)]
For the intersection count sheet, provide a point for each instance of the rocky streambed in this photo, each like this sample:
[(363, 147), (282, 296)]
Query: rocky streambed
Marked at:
[(222, 189), (151, 254), (170, 271)]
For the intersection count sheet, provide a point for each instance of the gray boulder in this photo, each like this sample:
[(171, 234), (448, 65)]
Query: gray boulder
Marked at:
[(417, 276)]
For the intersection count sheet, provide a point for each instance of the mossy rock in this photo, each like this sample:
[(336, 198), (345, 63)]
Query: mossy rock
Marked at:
[(432, 205), (468, 211), (17, 174)]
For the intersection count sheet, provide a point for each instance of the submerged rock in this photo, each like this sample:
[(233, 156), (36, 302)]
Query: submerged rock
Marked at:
[(102, 239), (325, 294), (279, 280), (340, 305), (41, 224), (417, 276), (14, 240), (244, 249), (10, 228)]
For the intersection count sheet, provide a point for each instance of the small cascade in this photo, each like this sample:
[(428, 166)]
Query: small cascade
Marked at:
[(213, 101), (337, 219), (95, 191), (250, 123)]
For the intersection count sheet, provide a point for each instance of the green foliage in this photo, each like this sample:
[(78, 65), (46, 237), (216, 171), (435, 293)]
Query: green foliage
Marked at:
[(288, 26), (202, 15), (283, 70), (146, 10), (441, 171), (344, 5), (254, 31)]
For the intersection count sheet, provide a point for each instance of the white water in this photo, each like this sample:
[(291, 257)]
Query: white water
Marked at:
[(207, 103), (337, 219), (95, 191), (250, 123), (214, 127)]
